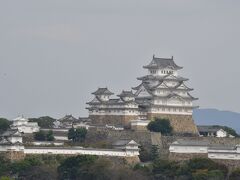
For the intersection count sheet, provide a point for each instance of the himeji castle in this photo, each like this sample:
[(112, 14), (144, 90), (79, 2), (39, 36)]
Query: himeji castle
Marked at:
[(162, 93)]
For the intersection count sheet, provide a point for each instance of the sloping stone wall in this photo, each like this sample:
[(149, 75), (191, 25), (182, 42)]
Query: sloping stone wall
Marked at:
[(13, 155), (117, 120), (185, 156), (144, 138), (181, 123)]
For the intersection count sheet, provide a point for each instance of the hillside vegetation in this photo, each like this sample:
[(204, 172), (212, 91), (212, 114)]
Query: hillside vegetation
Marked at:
[(98, 168)]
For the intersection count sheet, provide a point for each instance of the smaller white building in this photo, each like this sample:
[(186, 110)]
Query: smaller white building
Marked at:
[(23, 125), (224, 152), (212, 131), (189, 146), (65, 122), (122, 148), (139, 125), (126, 144), (221, 133), (11, 140)]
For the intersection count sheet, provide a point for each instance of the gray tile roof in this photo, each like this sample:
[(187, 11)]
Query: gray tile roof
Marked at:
[(126, 94), (176, 95), (161, 78), (222, 147), (182, 142), (162, 63), (4, 141), (123, 142), (11, 132), (210, 129), (102, 91), (68, 118)]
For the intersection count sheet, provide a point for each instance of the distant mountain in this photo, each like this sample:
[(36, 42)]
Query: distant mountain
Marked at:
[(217, 117)]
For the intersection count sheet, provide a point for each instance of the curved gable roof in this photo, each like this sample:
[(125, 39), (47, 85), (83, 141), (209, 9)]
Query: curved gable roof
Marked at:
[(161, 63), (102, 91)]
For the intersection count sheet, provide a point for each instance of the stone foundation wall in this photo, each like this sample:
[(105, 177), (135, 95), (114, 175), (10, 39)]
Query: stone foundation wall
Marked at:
[(13, 155), (117, 120), (231, 164), (179, 157), (185, 156), (181, 123), (139, 128), (144, 138)]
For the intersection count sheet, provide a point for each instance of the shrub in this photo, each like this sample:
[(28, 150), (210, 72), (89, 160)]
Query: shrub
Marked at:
[(4, 125), (160, 125), (144, 155), (50, 136), (44, 122), (77, 135), (205, 168), (76, 167), (40, 136), (154, 153), (165, 168), (24, 165), (5, 178), (235, 175)]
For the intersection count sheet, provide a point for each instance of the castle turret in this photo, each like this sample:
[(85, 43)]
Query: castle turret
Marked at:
[(127, 96), (103, 94), (163, 93)]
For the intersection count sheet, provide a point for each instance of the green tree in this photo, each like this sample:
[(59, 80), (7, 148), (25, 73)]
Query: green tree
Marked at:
[(24, 165), (77, 167), (44, 122), (160, 125), (4, 124), (235, 175), (203, 168), (40, 136), (77, 135), (216, 175), (164, 169), (144, 154), (5, 178), (71, 134), (50, 136), (154, 153), (4, 165), (80, 134)]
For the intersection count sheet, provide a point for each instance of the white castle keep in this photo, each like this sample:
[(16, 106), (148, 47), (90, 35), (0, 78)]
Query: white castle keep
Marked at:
[(162, 93)]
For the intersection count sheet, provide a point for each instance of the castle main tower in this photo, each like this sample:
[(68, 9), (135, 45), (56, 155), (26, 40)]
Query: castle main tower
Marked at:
[(163, 94)]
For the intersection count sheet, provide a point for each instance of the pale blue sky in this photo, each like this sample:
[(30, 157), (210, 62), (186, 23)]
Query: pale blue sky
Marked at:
[(54, 53)]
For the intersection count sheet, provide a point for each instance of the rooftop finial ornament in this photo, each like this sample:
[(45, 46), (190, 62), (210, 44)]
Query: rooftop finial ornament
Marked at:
[(153, 56), (172, 57)]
